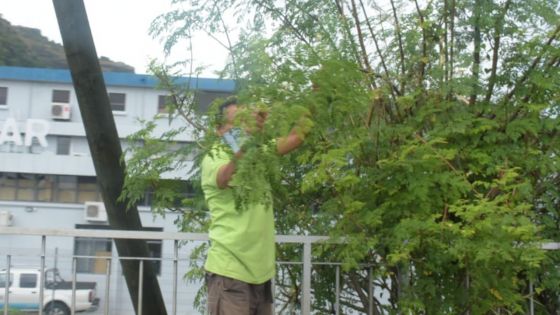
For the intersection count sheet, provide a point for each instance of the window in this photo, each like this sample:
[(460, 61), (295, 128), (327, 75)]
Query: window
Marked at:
[(66, 189), (3, 95), (48, 188), (118, 101), (163, 101), (28, 280), (3, 280), (45, 187), (26, 187), (8, 186), (101, 247), (63, 145), (88, 189), (61, 96), (205, 99)]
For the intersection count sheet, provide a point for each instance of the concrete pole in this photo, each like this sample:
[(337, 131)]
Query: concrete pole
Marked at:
[(105, 149)]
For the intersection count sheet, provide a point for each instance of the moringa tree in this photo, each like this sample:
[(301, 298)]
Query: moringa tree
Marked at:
[(434, 151)]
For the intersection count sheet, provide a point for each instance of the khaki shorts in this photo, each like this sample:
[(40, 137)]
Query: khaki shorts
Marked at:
[(227, 296)]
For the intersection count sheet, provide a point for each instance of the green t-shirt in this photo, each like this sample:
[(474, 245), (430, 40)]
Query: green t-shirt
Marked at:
[(242, 242)]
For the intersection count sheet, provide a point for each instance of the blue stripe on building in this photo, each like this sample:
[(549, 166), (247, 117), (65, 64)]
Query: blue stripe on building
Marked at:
[(113, 78)]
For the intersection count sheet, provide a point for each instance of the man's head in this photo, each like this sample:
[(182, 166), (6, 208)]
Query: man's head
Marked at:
[(227, 113)]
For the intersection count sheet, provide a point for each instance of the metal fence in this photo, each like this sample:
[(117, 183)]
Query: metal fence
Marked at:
[(177, 238)]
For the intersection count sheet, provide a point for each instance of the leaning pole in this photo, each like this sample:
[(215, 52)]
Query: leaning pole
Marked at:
[(106, 151)]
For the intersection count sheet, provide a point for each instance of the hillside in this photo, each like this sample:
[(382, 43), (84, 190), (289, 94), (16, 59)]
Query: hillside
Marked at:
[(27, 47)]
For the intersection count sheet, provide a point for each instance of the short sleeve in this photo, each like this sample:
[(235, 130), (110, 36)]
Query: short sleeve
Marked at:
[(210, 166)]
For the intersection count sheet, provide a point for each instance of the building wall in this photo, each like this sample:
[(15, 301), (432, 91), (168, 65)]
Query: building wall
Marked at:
[(30, 97), (26, 251)]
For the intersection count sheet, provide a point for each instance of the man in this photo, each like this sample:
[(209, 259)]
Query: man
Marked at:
[(241, 258)]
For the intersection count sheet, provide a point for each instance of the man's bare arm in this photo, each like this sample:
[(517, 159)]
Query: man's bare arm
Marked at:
[(225, 173), (289, 143), (292, 141)]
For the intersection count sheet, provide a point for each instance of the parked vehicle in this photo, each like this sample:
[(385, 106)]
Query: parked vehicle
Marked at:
[(24, 288)]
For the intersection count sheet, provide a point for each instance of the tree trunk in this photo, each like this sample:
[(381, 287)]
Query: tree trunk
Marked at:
[(106, 149)]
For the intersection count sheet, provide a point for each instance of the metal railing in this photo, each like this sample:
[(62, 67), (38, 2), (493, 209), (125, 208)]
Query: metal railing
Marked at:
[(306, 241), (306, 262)]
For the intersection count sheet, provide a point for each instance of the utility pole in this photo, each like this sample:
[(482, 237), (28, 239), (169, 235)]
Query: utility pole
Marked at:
[(106, 151)]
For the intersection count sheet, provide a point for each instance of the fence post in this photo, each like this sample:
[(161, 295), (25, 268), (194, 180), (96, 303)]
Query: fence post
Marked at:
[(7, 285), (107, 284), (74, 271), (42, 280), (140, 286), (337, 290), (531, 301), (370, 290), (175, 274), (306, 284)]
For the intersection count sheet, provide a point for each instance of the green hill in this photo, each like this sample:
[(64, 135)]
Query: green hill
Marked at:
[(26, 47)]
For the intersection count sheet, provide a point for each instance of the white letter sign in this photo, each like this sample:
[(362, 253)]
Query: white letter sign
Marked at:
[(10, 132), (36, 128)]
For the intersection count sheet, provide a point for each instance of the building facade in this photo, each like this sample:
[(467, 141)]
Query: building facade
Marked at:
[(47, 178)]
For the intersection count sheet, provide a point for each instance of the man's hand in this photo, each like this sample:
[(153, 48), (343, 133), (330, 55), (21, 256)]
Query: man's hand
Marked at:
[(296, 137)]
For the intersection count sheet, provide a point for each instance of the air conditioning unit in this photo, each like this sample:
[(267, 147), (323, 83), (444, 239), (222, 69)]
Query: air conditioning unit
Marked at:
[(95, 211), (60, 111), (6, 218)]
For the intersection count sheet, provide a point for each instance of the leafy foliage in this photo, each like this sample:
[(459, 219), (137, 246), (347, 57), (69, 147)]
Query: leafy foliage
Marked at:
[(434, 152)]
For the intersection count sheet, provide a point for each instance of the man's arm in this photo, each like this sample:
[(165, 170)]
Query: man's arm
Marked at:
[(293, 140), (225, 173), (289, 143), (284, 146)]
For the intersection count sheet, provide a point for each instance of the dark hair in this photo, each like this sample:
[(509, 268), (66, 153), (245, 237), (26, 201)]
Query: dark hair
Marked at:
[(227, 103)]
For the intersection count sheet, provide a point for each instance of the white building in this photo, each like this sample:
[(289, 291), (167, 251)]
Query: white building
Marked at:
[(47, 174)]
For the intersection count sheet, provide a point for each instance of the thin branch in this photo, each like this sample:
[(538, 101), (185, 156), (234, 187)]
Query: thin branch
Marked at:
[(401, 50), (362, 44), (496, 49), (287, 22), (445, 42), (360, 36), (230, 46), (476, 52), (452, 45), (424, 58), (549, 65), (534, 64), (346, 28), (444, 160), (378, 50), (554, 62)]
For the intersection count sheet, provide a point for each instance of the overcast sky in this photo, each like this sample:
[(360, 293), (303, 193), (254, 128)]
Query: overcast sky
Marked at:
[(119, 27)]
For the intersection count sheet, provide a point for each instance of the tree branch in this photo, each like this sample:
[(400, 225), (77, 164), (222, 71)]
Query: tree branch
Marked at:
[(424, 58), (362, 44), (452, 46), (378, 50), (496, 49), (476, 52), (399, 38), (534, 64), (346, 28)]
